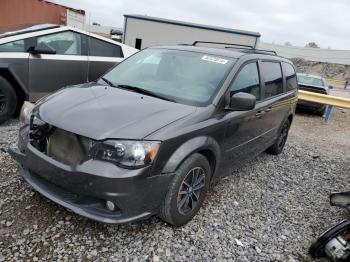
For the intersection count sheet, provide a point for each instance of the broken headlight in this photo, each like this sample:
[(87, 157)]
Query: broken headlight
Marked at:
[(26, 112), (125, 153)]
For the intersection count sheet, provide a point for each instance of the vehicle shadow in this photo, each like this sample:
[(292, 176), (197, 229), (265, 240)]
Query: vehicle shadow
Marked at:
[(306, 112)]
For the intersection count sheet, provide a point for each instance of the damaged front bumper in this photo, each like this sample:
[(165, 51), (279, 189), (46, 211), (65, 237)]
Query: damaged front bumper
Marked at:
[(86, 187)]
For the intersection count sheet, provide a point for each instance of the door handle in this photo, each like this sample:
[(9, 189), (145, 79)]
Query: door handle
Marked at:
[(259, 114), (268, 109)]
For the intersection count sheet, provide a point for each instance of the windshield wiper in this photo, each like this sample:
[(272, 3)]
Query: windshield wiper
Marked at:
[(108, 82), (144, 91)]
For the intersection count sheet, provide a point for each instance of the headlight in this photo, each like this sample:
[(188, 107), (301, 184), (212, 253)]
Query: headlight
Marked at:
[(125, 153), (26, 111)]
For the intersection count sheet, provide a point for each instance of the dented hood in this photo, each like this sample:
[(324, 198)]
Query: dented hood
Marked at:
[(101, 112)]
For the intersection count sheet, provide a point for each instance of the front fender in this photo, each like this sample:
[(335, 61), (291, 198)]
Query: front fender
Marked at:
[(191, 146), (13, 77)]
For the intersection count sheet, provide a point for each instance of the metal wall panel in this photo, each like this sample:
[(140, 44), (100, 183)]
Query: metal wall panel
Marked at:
[(154, 33)]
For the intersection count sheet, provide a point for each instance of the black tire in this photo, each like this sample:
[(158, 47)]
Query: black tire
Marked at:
[(317, 249), (8, 100), (278, 146), (176, 209), (321, 112)]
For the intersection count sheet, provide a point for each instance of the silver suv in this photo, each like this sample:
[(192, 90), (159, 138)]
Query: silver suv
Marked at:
[(41, 59)]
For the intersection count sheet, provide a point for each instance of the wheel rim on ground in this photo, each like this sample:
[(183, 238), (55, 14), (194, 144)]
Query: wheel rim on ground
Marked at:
[(190, 190), (283, 136), (317, 249)]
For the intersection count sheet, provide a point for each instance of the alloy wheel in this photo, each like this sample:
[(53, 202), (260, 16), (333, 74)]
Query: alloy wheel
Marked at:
[(191, 190)]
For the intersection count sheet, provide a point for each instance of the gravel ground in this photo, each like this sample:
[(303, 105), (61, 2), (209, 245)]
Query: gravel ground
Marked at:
[(269, 210)]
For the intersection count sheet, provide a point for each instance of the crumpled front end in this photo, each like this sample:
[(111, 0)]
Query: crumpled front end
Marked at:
[(55, 163)]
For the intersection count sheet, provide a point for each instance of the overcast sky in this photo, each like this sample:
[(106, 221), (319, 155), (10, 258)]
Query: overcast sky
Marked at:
[(326, 22)]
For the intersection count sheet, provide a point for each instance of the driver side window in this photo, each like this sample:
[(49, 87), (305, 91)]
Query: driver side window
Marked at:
[(247, 81), (65, 43)]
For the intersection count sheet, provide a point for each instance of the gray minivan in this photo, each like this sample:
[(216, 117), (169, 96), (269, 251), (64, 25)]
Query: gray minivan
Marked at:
[(42, 59), (151, 135)]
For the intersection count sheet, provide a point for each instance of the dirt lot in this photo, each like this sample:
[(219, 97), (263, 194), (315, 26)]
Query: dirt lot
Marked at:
[(327, 70), (269, 210)]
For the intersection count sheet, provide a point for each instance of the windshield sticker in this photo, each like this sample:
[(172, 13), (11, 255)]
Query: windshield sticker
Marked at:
[(215, 59)]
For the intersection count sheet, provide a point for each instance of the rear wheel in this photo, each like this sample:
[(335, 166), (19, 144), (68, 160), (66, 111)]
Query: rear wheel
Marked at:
[(8, 100), (186, 191), (278, 146), (321, 112)]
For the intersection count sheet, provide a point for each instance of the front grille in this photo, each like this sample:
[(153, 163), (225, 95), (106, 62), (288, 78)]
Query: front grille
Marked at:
[(66, 147), (63, 146)]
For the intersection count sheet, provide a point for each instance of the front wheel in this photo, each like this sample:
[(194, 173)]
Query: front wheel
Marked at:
[(186, 191), (8, 100), (278, 146)]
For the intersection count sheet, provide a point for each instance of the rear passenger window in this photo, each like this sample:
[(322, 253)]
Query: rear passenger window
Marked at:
[(273, 78), (247, 81), (101, 48), (291, 76)]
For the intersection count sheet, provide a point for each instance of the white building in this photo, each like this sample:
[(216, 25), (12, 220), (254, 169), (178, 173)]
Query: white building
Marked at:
[(143, 31), (75, 19)]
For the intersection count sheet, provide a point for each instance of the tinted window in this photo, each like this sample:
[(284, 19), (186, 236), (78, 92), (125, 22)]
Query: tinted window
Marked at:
[(291, 76), (65, 43), (247, 81), (16, 46), (101, 48), (273, 78)]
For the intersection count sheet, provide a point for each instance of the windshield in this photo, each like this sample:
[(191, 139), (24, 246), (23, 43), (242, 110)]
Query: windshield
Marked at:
[(184, 77), (308, 80)]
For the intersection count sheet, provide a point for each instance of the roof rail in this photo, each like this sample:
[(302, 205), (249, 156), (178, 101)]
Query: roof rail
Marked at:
[(244, 48), (219, 43), (256, 51)]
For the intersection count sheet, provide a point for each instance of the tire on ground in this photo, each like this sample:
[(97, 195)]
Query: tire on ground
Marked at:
[(278, 146), (8, 100), (169, 210), (321, 111)]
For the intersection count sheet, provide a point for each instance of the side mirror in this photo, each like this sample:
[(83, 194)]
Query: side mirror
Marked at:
[(330, 87), (242, 102), (42, 48)]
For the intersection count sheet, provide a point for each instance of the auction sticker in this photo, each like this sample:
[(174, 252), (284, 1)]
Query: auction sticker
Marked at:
[(214, 59)]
